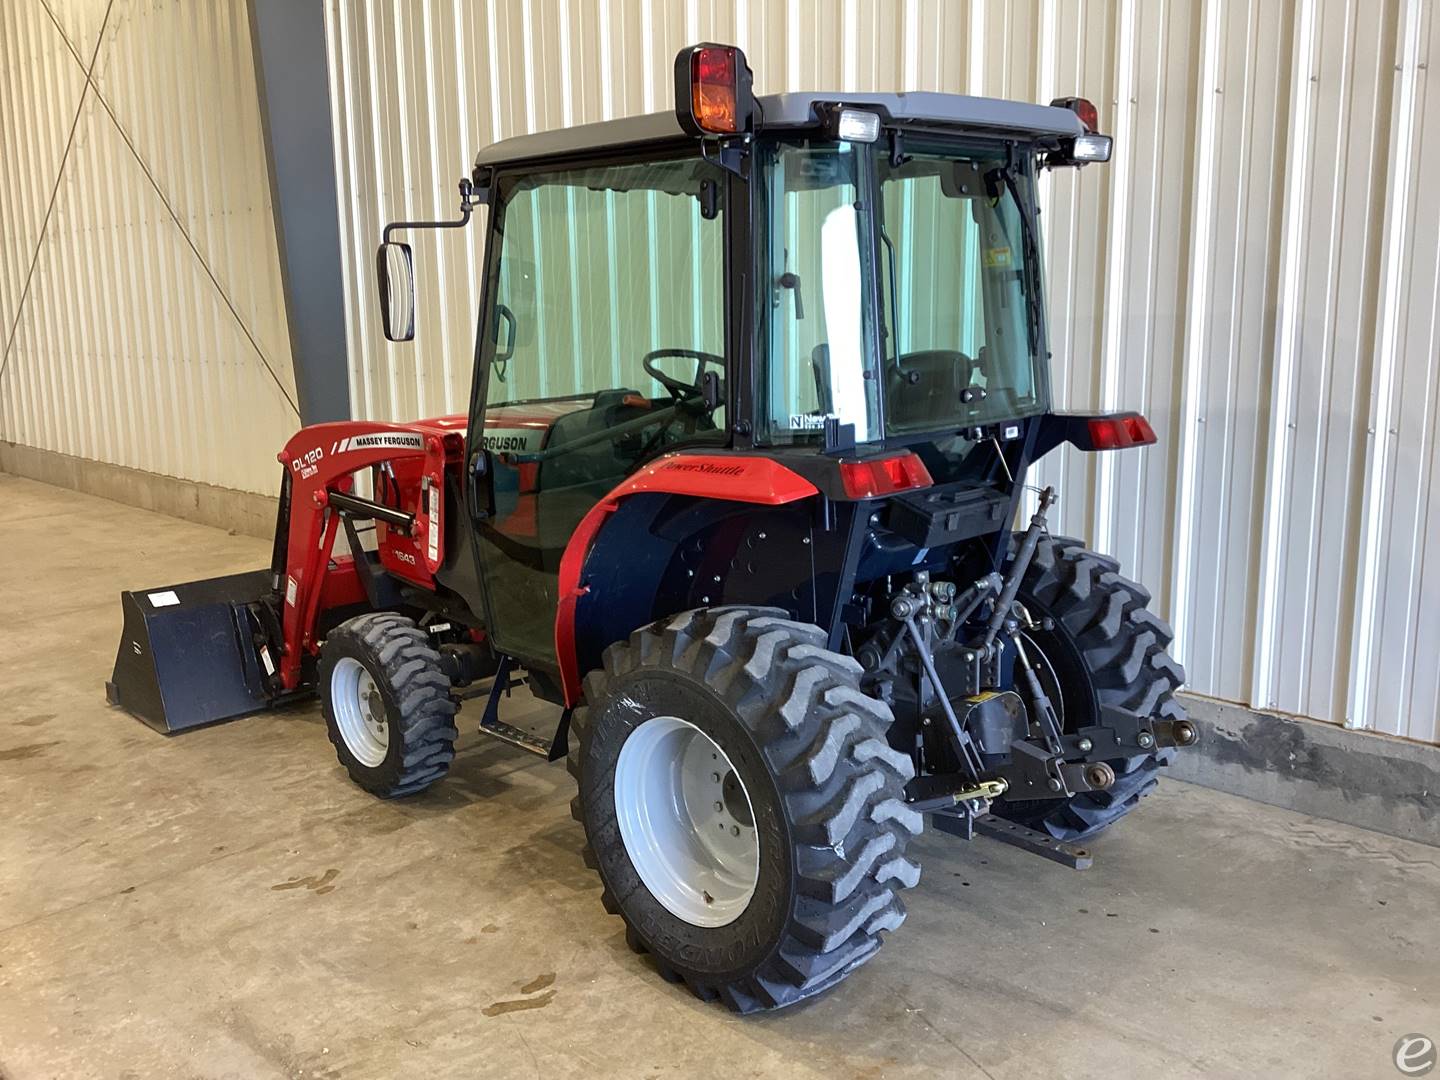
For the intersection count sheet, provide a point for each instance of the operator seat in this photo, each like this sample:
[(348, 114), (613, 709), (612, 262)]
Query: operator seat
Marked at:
[(924, 387)]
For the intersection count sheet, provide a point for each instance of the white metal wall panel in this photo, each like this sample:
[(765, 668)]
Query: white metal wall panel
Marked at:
[(1328, 281), (1256, 270), (152, 332), (1230, 337), (1396, 684)]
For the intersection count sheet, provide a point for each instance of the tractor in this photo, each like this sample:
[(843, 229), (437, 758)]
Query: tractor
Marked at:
[(741, 489)]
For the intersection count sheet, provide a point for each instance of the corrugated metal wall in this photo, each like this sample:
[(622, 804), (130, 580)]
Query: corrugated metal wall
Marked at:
[(141, 305), (1257, 270)]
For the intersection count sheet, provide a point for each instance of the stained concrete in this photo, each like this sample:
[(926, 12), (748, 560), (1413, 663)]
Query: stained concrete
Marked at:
[(225, 904), (1359, 777)]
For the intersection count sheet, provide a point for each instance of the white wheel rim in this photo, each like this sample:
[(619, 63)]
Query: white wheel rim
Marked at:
[(359, 712), (687, 822)]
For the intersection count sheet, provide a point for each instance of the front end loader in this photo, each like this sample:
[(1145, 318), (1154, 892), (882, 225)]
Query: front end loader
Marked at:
[(741, 489)]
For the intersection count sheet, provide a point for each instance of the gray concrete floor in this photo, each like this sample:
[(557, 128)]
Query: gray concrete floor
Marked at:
[(225, 904)]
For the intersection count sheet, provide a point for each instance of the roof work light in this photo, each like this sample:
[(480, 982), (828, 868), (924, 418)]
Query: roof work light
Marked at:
[(1082, 149), (712, 90)]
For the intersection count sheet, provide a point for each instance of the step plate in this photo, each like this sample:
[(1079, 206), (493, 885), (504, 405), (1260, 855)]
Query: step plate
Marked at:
[(516, 737)]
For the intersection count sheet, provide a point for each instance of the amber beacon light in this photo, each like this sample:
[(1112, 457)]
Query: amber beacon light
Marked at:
[(712, 90)]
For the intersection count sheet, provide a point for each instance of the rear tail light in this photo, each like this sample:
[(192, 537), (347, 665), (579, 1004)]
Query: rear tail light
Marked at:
[(1119, 432), (883, 476)]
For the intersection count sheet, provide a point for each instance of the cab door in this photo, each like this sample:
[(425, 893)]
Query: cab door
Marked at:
[(592, 271)]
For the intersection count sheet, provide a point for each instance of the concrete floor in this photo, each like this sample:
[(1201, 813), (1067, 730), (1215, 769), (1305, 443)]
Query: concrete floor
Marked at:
[(226, 904)]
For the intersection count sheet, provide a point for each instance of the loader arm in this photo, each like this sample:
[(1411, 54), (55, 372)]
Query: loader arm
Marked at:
[(321, 463)]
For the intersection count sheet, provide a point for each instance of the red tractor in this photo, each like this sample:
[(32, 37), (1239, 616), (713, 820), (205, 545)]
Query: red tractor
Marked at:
[(757, 386)]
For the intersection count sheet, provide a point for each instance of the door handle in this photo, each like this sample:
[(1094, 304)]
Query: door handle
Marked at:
[(479, 466)]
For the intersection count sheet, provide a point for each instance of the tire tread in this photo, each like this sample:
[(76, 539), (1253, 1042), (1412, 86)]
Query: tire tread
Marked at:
[(840, 783)]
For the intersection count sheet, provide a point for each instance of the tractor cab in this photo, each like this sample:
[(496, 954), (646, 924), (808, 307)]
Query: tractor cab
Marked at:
[(853, 279)]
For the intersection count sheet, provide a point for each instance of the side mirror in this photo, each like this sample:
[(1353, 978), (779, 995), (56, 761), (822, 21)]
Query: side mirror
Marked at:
[(396, 273), (518, 278)]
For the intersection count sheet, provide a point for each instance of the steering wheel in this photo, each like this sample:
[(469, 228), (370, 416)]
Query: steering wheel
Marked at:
[(679, 389)]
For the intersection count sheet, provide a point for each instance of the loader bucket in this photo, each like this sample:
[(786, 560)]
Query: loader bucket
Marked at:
[(195, 653)]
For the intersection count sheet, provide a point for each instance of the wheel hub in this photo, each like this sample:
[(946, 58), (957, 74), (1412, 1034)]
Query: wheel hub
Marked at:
[(360, 712), (687, 822)]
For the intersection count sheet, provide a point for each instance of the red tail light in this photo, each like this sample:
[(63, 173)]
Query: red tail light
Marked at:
[(883, 476), (1119, 432)]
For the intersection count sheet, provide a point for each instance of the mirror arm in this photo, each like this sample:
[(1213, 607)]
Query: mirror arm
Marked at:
[(469, 199)]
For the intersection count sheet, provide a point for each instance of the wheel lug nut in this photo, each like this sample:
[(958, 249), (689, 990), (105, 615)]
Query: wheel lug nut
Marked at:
[(715, 776), (734, 830), (719, 806)]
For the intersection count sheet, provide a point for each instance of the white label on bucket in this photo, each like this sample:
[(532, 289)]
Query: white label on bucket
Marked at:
[(163, 599), (265, 659), (290, 589)]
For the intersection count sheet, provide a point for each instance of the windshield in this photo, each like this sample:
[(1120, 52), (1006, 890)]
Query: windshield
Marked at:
[(922, 317)]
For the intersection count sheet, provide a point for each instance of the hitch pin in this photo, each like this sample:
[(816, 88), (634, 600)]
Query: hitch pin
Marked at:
[(985, 789)]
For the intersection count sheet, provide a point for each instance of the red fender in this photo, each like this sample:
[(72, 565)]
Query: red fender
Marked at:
[(731, 477)]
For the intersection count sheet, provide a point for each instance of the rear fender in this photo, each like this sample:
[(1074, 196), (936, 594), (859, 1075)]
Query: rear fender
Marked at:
[(682, 532)]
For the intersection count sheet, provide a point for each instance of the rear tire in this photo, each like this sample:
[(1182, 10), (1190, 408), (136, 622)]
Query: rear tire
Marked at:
[(824, 789), (1106, 649), (387, 704)]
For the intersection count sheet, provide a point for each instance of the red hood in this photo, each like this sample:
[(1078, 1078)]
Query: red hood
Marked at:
[(524, 414)]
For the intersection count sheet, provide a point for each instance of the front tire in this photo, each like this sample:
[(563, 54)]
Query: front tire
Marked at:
[(388, 709), (778, 908)]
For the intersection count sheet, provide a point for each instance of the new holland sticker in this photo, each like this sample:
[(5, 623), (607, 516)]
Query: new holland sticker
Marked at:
[(809, 421)]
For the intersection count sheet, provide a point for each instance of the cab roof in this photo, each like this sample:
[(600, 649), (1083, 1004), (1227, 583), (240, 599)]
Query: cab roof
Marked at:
[(796, 110)]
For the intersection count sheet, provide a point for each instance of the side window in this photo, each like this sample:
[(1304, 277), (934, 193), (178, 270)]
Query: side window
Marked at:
[(599, 268), (814, 279)]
